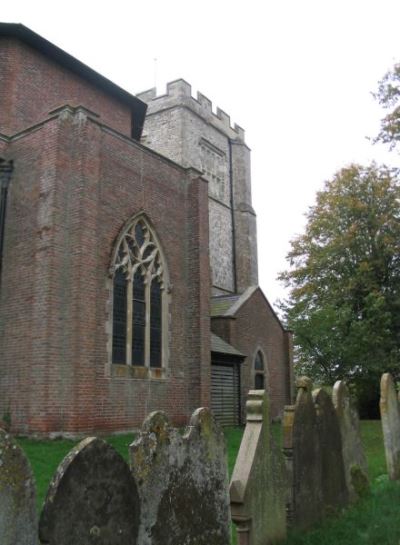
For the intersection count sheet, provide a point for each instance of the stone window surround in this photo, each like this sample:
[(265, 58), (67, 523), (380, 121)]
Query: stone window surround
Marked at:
[(127, 370)]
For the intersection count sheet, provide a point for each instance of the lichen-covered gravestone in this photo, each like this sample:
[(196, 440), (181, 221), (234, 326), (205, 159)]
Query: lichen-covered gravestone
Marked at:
[(355, 463), (18, 521), (258, 484), (333, 481), (182, 481), (390, 416), (92, 499), (301, 450)]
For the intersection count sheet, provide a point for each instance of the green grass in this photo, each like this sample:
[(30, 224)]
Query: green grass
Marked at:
[(233, 437), (46, 455), (373, 520)]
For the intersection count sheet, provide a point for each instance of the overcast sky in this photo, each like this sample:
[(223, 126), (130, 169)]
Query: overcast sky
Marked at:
[(297, 75)]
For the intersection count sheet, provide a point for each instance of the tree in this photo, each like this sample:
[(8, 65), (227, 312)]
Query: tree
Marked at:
[(388, 95), (344, 280)]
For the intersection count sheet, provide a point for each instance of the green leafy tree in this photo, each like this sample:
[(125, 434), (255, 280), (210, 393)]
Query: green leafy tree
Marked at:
[(344, 280), (388, 95)]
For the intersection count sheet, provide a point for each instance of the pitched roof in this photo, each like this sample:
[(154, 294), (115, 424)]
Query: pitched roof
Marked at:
[(222, 347), (222, 303), (21, 32), (228, 305)]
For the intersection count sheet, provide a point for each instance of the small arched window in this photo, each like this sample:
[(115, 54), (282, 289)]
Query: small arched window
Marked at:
[(138, 298), (259, 368)]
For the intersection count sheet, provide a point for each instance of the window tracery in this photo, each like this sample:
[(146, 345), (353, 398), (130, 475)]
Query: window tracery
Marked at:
[(138, 298)]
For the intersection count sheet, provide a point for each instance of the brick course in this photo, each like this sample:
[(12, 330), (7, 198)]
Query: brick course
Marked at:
[(78, 179), (76, 182), (33, 85), (255, 327)]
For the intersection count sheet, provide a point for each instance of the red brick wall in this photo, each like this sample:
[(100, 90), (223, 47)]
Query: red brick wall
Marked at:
[(75, 184), (33, 85), (254, 327)]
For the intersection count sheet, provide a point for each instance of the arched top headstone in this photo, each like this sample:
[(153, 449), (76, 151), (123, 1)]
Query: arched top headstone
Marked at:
[(341, 398), (18, 520), (92, 498), (389, 399), (390, 417), (355, 463)]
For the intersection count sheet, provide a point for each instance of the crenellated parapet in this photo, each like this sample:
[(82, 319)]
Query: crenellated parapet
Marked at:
[(179, 93), (187, 130)]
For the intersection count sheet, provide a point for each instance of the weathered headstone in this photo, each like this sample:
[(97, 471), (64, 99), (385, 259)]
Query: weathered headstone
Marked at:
[(390, 416), (183, 482), (18, 520), (334, 489), (301, 450), (258, 484), (355, 463), (92, 499)]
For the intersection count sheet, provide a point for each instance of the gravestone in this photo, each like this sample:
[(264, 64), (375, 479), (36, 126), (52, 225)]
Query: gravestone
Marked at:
[(333, 480), (92, 499), (390, 416), (302, 453), (355, 463), (182, 481), (18, 520), (258, 484)]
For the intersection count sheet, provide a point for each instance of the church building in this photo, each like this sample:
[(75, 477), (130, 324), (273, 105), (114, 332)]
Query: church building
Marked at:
[(128, 253)]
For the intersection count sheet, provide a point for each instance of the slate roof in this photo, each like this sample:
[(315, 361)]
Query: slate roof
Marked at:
[(221, 304), (222, 347)]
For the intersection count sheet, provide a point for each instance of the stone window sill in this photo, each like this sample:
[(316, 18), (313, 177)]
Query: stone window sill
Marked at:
[(137, 372)]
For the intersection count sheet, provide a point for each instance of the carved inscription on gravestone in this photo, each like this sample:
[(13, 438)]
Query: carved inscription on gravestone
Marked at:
[(390, 416), (301, 449), (18, 521), (183, 482), (355, 463), (92, 499), (258, 485), (334, 488)]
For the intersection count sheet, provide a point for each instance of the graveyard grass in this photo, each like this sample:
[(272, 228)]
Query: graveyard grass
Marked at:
[(373, 520)]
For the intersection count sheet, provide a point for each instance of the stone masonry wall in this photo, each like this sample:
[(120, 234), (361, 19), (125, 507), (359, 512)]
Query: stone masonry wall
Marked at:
[(187, 131)]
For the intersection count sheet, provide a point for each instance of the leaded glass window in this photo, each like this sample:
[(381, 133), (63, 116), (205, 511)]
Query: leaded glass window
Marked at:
[(259, 377), (138, 319), (155, 324), (138, 298), (119, 318)]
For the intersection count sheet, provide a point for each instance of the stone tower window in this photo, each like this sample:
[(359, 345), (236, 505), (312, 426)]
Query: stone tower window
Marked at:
[(214, 167), (259, 369), (139, 298)]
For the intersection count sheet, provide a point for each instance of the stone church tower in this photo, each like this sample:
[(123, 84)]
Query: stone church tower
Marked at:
[(110, 238), (187, 131)]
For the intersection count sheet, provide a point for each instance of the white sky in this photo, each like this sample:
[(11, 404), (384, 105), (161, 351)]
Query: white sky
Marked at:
[(297, 75)]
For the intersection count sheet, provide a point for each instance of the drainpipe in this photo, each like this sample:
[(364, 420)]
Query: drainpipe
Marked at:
[(232, 202)]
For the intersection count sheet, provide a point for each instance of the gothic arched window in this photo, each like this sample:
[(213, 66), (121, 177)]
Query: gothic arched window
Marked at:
[(259, 380), (138, 298)]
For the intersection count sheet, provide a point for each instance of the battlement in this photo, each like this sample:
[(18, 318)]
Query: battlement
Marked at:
[(179, 93)]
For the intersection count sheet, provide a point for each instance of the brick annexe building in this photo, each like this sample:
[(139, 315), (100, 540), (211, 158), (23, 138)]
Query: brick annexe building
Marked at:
[(128, 253)]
